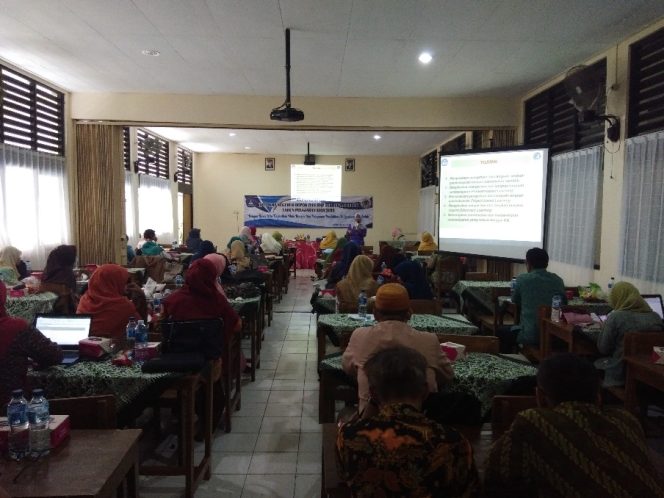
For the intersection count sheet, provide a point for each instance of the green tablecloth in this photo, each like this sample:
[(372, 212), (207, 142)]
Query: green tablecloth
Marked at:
[(89, 378), (246, 305), (482, 375), (27, 307), (479, 291)]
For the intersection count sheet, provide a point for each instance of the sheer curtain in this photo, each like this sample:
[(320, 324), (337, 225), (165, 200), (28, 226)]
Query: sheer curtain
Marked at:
[(643, 213), (573, 234), (427, 215), (34, 212), (130, 210), (155, 207)]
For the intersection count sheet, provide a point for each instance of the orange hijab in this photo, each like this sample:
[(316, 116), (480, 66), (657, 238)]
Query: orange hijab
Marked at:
[(106, 302)]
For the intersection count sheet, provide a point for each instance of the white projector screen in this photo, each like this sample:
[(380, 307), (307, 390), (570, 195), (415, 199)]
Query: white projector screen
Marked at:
[(493, 203), (317, 182)]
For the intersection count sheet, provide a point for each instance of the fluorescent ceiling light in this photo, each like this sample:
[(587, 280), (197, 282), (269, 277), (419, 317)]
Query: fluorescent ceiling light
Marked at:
[(232, 134), (377, 137), (425, 58)]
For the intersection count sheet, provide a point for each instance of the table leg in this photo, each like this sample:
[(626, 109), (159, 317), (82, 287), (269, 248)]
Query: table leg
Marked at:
[(188, 416), (325, 399), (254, 358), (631, 399), (546, 345), (320, 335)]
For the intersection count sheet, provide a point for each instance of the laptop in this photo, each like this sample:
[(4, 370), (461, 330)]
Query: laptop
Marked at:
[(65, 331), (655, 303)]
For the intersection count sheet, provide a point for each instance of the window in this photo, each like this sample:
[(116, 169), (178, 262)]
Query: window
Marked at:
[(646, 85), (551, 119), (152, 155), (31, 115), (428, 169), (185, 166), (126, 157)]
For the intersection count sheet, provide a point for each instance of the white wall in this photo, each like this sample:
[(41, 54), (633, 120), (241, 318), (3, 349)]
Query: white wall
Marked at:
[(222, 180)]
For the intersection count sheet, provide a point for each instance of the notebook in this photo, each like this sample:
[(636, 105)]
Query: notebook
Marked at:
[(655, 303), (66, 331)]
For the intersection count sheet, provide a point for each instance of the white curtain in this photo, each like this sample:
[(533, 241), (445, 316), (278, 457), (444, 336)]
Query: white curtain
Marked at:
[(155, 207), (130, 210), (643, 213), (427, 215), (573, 230), (34, 213)]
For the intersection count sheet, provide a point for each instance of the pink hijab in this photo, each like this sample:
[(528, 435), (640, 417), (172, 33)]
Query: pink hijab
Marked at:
[(219, 263)]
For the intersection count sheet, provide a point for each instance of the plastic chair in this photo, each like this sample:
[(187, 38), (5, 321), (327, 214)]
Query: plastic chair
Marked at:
[(87, 412)]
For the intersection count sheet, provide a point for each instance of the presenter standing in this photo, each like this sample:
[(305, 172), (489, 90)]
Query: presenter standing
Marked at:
[(356, 231)]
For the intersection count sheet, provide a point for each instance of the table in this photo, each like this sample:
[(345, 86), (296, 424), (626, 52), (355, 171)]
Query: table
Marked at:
[(479, 291), (305, 256), (93, 463), (576, 341), (343, 325), (641, 370), (250, 309), (483, 375), (28, 306)]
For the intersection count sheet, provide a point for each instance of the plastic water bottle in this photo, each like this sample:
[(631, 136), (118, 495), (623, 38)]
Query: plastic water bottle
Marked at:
[(19, 428), (156, 303), (362, 305), (39, 417), (380, 280), (383, 266), (555, 308), (612, 282), (513, 286), (233, 269), (140, 347), (179, 281), (28, 267), (131, 333)]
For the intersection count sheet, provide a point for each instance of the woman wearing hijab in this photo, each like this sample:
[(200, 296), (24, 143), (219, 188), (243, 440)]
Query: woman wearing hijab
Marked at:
[(18, 342), (194, 240), (359, 278), (206, 247), (106, 300), (329, 242), (200, 299), (413, 278), (387, 255), (335, 255), (630, 314), (278, 237), (340, 269), (357, 231), (10, 258), (269, 244), (220, 263), (239, 256), (59, 278), (427, 243)]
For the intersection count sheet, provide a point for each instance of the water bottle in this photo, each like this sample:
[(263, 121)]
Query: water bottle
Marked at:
[(28, 266), (612, 282), (380, 280), (362, 305), (39, 417), (383, 266), (131, 333), (513, 286), (141, 344), (179, 281), (555, 308), (19, 428), (233, 269), (156, 303)]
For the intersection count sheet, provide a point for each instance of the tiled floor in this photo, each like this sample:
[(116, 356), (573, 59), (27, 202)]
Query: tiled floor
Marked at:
[(274, 448)]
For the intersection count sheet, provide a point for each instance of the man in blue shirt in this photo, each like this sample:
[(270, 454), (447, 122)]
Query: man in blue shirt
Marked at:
[(532, 290)]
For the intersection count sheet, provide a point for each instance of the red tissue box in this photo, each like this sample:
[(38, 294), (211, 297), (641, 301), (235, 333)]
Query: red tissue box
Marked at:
[(60, 429)]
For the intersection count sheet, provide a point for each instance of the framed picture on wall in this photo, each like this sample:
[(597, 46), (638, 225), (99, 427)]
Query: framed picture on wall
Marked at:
[(269, 164), (349, 165)]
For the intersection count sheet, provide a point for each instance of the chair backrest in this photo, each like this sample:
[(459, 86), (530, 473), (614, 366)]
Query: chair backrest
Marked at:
[(194, 336), (504, 410), (448, 272), (642, 342), (367, 250), (474, 343), (481, 276), (410, 245), (424, 253), (87, 412), (426, 306)]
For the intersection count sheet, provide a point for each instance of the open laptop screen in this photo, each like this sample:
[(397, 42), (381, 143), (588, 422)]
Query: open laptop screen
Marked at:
[(655, 303), (64, 330)]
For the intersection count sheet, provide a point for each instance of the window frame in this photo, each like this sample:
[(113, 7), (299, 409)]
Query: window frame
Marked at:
[(157, 165)]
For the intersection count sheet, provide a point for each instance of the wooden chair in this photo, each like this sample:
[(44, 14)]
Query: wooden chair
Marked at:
[(481, 277), (291, 265), (332, 485), (87, 412), (504, 410), (473, 343), (491, 323), (334, 386), (535, 354), (367, 250), (448, 271), (66, 302), (426, 306)]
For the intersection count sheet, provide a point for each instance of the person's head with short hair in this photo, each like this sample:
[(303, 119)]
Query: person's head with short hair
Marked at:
[(149, 234), (567, 377), (358, 218), (392, 303), (537, 259), (397, 375)]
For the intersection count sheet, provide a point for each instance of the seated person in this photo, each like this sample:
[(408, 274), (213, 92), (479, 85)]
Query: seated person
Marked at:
[(204, 248), (194, 240), (131, 254), (340, 268), (19, 341), (630, 314), (148, 246), (269, 244), (329, 242), (570, 445), (399, 451), (533, 289), (427, 243), (59, 278), (238, 256), (386, 257), (111, 300), (10, 263), (392, 311), (334, 256), (359, 278), (413, 277), (200, 298), (356, 231)]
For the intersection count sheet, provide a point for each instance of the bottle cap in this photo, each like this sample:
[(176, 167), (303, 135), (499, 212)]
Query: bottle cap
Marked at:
[(37, 392), (16, 393)]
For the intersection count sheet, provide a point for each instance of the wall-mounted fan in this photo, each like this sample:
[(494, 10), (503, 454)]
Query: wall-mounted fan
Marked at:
[(585, 87)]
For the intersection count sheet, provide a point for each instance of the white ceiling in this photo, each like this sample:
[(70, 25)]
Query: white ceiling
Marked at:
[(350, 48)]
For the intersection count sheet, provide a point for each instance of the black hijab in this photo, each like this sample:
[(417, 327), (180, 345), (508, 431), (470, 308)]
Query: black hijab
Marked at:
[(60, 267)]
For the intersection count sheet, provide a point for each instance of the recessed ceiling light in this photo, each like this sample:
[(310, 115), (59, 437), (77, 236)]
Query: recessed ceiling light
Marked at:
[(232, 134), (151, 52), (247, 148), (377, 137), (425, 58)]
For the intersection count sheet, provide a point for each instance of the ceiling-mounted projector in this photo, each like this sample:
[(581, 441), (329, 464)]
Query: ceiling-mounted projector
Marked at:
[(285, 112)]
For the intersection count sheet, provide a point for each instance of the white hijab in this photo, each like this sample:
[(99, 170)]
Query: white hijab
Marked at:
[(269, 244)]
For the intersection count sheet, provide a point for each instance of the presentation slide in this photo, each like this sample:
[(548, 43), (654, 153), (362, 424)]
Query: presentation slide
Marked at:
[(493, 203), (318, 182)]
